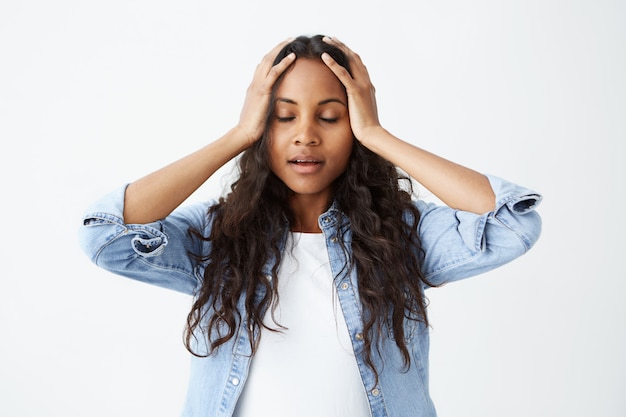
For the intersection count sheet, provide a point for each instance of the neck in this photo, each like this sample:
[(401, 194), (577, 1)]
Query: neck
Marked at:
[(306, 211)]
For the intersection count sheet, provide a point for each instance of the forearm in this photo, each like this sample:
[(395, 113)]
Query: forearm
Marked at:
[(457, 186), (156, 195)]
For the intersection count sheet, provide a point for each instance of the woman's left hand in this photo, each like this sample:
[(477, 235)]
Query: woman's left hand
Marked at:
[(457, 186), (360, 90)]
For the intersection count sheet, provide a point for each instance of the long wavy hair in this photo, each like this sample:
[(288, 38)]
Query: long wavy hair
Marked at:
[(250, 225)]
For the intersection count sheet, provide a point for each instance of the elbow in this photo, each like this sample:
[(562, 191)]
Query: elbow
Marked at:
[(526, 229), (87, 244), (521, 218), (96, 232), (511, 237), (89, 241), (532, 231)]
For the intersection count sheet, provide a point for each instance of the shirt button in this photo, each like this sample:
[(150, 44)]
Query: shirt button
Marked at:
[(359, 336), (334, 239), (235, 381), (344, 286), (326, 219), (375, 392), (268, 277)]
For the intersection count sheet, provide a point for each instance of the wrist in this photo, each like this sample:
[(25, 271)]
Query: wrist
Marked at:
[(373, 138), (243, 136)]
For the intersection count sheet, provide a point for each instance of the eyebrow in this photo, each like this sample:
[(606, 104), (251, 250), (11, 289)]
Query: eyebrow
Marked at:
[(321, 103)]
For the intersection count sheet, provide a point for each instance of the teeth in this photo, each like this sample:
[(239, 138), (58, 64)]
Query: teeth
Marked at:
[(299, 161)]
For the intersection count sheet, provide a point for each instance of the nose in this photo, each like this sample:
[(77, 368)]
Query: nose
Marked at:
[(307, 134)]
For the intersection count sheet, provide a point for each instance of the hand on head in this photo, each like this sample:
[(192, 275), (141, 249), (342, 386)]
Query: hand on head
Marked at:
[(361, 93), (258, 95), (355, 78)]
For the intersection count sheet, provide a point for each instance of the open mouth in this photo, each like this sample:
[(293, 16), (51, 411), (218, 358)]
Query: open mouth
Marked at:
[(305, 162), (306, 165)]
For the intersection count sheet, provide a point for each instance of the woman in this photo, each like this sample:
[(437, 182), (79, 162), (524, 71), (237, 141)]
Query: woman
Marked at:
[(308, 277)]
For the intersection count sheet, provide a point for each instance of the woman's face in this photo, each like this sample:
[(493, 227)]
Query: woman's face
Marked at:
[(311, 138)]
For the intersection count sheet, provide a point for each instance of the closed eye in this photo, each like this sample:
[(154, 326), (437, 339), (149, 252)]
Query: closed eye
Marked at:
[(285, 119), (329, 120)]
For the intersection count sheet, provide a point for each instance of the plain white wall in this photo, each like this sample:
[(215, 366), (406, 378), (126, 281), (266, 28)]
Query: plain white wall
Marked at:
[(94, 94)]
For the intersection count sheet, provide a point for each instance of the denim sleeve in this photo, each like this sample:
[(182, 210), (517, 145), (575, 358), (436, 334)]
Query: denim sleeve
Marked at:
[(158, 253), (459, 244)]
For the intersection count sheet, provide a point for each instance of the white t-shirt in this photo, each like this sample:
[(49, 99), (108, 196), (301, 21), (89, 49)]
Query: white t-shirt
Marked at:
[(308, 369)]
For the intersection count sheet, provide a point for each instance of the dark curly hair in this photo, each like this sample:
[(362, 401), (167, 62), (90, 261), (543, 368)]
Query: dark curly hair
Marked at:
[(251, 223)]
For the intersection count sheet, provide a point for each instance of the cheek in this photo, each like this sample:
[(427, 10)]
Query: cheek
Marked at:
[(277, 137), (348, 153), (272, 151), (272, 157), (343, 152), (345, 142)]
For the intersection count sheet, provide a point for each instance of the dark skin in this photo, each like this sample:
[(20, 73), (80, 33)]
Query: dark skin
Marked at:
[(311, 139), (308, 152)]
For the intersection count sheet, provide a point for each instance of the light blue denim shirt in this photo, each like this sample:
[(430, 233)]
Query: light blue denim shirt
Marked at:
[(457, 245)]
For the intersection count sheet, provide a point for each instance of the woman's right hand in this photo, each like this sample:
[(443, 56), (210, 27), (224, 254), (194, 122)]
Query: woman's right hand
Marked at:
[(252, 119), (156, 195)]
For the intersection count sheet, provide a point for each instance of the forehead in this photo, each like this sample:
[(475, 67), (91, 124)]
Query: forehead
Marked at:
[(312, 77)]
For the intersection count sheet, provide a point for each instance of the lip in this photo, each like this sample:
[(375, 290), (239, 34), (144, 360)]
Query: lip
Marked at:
[(306, 164)]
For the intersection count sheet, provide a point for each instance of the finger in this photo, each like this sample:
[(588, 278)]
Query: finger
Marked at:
[(267, 62), (350, 54), (279, 68), (336, 42), (339, 71)]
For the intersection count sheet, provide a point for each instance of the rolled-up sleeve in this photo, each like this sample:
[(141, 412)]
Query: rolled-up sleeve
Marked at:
[(159, 253), (459, 244)]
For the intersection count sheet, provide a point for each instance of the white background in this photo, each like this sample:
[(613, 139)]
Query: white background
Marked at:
[(94, 94)]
